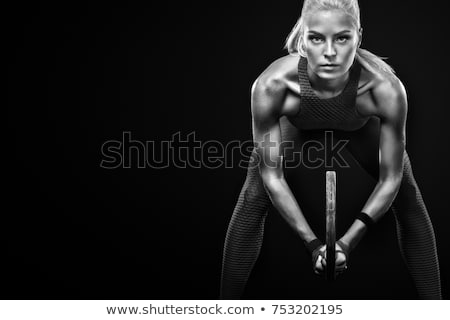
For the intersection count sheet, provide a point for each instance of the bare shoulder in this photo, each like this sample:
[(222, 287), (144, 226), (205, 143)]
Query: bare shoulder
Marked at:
[(278, 73), (390, 96), (387, 91), (270, 88)]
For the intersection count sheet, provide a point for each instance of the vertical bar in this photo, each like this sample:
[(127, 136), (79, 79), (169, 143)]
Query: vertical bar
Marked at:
[(331, 224)]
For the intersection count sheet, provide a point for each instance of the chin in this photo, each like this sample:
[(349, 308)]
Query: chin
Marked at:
[(327, 75)]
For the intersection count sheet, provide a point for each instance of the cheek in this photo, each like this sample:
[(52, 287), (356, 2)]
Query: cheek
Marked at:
[(348, 58), (313, 52), (347, 53), (313, 57)]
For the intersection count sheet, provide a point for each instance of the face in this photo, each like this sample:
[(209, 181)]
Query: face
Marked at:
[(330, 41)]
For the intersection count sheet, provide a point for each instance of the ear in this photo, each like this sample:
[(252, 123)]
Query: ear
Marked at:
[(360, 33)]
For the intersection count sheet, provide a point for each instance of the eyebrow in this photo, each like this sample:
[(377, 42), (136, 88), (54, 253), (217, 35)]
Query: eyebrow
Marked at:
[(339, 33)]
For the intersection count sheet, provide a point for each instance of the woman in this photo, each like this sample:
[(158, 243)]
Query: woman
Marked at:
[(329, 84)]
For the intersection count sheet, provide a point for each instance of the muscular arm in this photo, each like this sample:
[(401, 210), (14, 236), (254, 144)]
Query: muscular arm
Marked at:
[(268, 95), (390, 98)]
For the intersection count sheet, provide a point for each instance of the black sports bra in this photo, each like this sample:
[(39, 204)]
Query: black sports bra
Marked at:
[(333, 113)]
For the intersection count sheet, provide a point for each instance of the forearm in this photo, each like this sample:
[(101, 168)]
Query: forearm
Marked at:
[(376, 206), (284, 201), (382, 197)]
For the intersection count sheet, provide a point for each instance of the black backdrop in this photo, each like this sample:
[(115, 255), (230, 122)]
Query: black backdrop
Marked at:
[(82, 74)]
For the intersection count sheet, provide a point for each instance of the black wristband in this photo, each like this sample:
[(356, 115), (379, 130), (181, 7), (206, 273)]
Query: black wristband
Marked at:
[(313, 248), (313, 245), (366, 219)]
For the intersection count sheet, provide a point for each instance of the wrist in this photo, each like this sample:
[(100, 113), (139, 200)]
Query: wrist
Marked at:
[(354, 234), (313, 245), (308, 238), (366, 219)]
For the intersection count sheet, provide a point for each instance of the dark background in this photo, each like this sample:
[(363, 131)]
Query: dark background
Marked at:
[(81, 74)]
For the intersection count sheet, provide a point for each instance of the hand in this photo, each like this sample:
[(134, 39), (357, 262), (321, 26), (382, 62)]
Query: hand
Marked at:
[(318, 258), (320, 264), (341, 258)]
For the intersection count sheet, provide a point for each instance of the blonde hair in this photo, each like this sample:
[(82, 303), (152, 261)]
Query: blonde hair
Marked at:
[(295, 39)]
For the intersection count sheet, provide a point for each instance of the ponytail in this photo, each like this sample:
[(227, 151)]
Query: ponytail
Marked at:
[(374, 61)]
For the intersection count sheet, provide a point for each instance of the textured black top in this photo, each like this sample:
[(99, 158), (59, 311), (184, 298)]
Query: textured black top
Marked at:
[(333, 113)]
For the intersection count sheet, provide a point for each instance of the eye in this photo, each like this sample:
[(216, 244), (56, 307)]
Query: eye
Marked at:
[(342, 39), (315, 39)]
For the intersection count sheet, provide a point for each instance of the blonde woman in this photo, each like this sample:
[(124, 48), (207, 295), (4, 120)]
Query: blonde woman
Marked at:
[(328, 83)]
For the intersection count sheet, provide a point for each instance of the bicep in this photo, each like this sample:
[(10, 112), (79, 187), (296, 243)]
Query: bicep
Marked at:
[(392, 135), (266, 103)]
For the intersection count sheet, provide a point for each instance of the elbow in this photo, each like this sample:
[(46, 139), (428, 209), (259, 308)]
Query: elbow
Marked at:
[(397, 181), (393, 182), (272, 182), (269, 179)]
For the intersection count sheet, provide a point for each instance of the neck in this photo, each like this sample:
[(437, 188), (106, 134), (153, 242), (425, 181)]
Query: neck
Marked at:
[(327, 87)]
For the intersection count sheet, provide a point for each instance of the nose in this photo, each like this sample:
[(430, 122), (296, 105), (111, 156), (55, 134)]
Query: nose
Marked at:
[(330, 51)]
